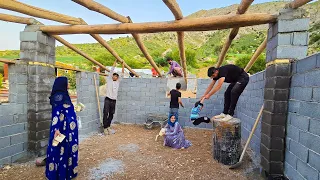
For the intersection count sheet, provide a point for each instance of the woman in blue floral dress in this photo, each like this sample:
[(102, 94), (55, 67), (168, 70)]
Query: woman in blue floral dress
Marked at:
[(62, 160)]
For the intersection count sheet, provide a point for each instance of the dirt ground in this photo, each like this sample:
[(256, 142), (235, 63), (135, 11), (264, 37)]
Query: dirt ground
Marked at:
[(133, 153)]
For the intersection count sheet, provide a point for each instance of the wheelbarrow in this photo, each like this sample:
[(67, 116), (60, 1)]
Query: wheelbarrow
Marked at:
[(155, 120)]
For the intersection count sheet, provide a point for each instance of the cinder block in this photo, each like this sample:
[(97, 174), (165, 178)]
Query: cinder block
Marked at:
[(46, 115), (276, 94), (275, 106), (316, 94), (315, 126), (302, 93), (293, 25), (19, 138), (273, 131), (300, 38), (18, 156), (271, 167), (291, 159), (293, 132), (274, 118), (5, 120), (293, 52), (12, 129), (301, 122), (314, 160), (278, 82), (4, 161), (4, 142), (271, 154), (310, 109), (39, 126), (291, 173), (299, 150), (307, 171), (312, 78), (294, 106), (306, 64), (11, 150), (310, 140)]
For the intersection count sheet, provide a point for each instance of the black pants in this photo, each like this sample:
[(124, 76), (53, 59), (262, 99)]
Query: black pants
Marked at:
[(200, 120), (233, 93), (108, 111)]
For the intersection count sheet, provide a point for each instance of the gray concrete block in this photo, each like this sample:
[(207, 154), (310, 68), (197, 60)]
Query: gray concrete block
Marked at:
[(5, 161), (4, 142), (301, 122), (19, 138), (18, 156), (11, 150), (312, 78), (302, 93), (293, 25), (316, 94), (306, 64), (314, 160), (315, 126), (310, 140), (5, 120), (294, 52), (291, 159), (12, 129), (299, 150), (307, 171), (294, 106), (310, 109), (291, 173), (300, 38), (293, 132)]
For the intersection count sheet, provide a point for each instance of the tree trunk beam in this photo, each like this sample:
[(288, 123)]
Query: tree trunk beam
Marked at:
[(7, 61), (196, 24), (242, 8), (94, 6), (17, 19), (175, 9), (38, 12), (97, 7), (297, 3), (256, 54)]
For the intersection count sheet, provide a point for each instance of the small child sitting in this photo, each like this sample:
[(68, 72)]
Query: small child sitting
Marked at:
[(195, 114)]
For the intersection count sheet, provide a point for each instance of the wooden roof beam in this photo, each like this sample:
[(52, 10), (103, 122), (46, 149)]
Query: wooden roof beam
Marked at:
[(38, 12), (42, 13), (17, 19), (176, 11), (256, 54), (195, 24), (297, 3), (242, 8), (97, 7)]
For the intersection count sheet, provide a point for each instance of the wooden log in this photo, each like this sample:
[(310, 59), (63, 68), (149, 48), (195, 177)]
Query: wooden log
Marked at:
[(297, 3), (66, 43), (113, 52), (94, 6), (17, 19), (174, 7), (256, 54), (176, 11), (7, 61), (227, 141), (38, 12), (242, 8), (194, 24)]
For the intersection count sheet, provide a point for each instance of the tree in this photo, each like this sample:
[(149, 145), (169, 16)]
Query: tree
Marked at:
[(258, 66)]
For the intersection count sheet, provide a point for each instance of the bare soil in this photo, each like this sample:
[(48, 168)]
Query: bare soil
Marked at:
[(133, 153)]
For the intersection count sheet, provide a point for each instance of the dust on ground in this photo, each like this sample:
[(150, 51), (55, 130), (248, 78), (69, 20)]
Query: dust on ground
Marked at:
[(132, 153)]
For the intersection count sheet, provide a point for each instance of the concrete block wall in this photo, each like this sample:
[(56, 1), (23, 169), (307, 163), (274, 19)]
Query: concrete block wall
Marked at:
[(139, 97), (248, 108), (86, 94), (302, 156), (13, 117)]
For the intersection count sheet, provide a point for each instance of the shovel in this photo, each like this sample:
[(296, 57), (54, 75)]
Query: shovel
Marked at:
[(101, 128), (238, 164)]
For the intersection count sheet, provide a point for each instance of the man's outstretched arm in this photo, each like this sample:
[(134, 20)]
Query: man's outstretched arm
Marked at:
[(216, 88)]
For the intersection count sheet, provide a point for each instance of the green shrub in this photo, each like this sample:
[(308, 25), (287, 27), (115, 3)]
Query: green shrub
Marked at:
[(1, 79), (258, 66)]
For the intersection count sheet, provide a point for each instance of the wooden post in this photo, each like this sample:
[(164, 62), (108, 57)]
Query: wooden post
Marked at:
[(97, 7), (192, 24), (256, 54), (17, 19), (37, 12), (297, 3), (176, 11), (242, 8)]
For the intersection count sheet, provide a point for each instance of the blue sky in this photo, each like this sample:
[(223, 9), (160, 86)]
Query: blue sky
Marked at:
[(138, 10)]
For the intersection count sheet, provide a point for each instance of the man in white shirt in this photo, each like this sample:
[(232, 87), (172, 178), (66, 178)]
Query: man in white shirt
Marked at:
[(113, 83)]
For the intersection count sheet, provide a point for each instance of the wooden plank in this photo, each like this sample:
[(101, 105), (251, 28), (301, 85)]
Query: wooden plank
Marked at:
[(17, 19), (297, 3), (94, 6), (194, 24), (176, 11), (38, 12), (242, 8), (97, 7), (256, 54)]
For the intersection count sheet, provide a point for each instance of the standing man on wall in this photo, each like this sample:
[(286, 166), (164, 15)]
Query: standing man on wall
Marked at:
[(238, 80), (113, 83), (175, 68)]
